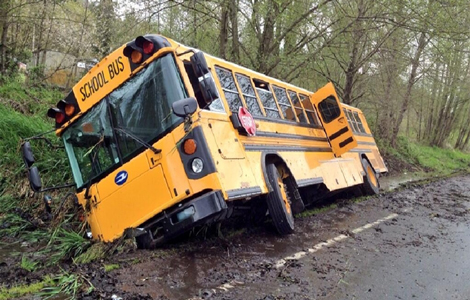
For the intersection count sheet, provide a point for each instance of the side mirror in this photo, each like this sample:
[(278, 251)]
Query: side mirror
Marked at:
[(28, 156), (184, 107), (34, 179), (208, 89), (199, 64)]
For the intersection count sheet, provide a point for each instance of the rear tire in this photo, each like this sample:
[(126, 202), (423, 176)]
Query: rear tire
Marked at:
[(371, 181), (279, 202)]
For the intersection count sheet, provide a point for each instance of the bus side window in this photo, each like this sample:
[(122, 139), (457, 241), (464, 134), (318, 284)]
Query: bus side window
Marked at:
[(309, 110), (299, 111), (284, 103), (359, 122), (351, 121), (230, 89), (248, 92), (267, 99)]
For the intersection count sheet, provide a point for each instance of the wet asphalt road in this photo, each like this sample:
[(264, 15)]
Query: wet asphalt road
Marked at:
[(431, 268), (422, 253)]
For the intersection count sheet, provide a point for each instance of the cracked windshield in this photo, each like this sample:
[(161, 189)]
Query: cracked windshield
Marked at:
[(139, 110)]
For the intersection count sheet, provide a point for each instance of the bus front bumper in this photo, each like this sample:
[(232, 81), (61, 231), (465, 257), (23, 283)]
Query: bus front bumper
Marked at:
[(206, 208)]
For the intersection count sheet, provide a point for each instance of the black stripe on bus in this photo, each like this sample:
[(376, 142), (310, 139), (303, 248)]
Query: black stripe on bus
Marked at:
[(244, 192), (349, 140), (309, 181), (285, 148), (290, 136), (284, 121), (338, 133), (363, 134), (367, 143)]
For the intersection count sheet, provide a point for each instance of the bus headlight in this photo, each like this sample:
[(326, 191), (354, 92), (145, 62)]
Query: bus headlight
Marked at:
[(197, 165)]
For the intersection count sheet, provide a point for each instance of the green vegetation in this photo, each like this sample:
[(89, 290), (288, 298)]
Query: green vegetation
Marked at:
[(96, 251), (21, 290), (428, 159), (28, 264), (65, 244), (66, 284), (22, 115), (315, 211), (109, 268)]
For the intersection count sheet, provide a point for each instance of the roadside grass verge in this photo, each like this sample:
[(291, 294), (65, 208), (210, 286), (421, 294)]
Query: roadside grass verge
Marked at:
[(27, 289), (34, 99), (425, 159), (65, 244), (66, 284), (52, 163)]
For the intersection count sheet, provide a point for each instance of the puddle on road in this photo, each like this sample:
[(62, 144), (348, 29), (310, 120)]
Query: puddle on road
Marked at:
[(196, 273), (200, 273), (390, 183)]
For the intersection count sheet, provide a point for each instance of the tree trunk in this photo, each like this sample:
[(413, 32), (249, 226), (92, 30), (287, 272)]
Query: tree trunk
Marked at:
[(422, 42), (223, 30), (267, 38), (234, 23), (4, 8)]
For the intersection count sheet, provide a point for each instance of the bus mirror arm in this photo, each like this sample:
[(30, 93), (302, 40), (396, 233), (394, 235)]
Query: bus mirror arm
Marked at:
[(138, 140)]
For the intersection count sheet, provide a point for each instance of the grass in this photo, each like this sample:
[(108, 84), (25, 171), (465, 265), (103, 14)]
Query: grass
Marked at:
[(22, 290), (65, 244), (33, 99), (94, 252), (431, 159), (442, 161), (316, 211), (66, 284), (51, 163), (109, 268), (28, 264)]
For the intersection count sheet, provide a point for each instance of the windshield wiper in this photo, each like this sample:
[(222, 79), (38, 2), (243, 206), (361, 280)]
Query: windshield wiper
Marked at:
[(139, 140)]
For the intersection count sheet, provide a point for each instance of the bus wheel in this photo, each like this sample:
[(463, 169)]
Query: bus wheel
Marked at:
[(371, 181), (279, 204)]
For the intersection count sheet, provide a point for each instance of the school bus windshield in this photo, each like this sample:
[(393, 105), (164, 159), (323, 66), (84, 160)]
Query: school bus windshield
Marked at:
[(107, 136)]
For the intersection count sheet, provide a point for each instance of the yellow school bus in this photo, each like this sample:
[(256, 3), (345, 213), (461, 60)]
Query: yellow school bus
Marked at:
[(162, 137)]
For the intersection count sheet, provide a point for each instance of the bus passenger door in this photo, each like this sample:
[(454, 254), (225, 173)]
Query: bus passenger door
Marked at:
[(333, 119)]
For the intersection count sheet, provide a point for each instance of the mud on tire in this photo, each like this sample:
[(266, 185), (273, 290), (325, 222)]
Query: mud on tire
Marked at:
[(278, 202), (371, 180)]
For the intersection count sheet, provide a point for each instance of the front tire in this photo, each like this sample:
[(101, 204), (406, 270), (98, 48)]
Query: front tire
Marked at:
[(279, 204), (371, 180)]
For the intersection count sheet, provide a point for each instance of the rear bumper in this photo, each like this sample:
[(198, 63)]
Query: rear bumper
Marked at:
[(205, 208)]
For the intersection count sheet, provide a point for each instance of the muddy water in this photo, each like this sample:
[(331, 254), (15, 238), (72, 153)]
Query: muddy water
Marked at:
[(391, 183), (9, 250)]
